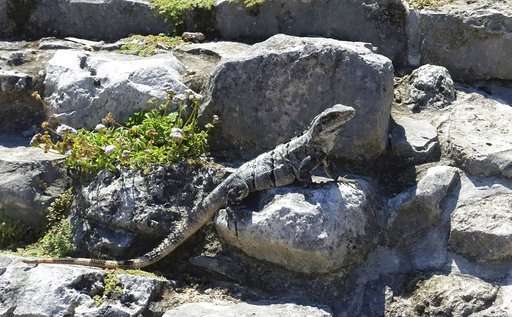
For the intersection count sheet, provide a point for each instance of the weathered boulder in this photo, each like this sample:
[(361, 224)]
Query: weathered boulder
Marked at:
[(477, 135), (227, 309), (380, 22), (29, 181), (7, 25), (270, 94), (62, 290), (201, 60), (122, 215), (82, 87), (452, 295), (414, 141), (414, 211), (481, 224), (325, 228), (472, 39), (19, 110), (429, 87), (99, 19)]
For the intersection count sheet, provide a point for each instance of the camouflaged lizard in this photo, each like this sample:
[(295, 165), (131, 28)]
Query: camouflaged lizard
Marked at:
[(287, 163)]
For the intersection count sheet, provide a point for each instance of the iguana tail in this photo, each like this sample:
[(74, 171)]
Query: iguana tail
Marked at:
[(195, 221)]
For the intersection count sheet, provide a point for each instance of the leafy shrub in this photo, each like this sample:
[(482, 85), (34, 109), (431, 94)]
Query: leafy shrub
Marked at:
[(174, 10), (156, 137), (148, 45), (13, 233), (112, 288)]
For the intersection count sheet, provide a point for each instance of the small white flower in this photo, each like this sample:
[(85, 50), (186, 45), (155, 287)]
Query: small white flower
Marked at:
[(177, 134), (100, 127), (64, 129), (109, 149), (180, 97)]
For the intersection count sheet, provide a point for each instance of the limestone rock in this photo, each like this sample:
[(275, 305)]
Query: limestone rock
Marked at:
[(99, 19), (477, 135), (62, 290), (414, 211), (430, 87), (472, 39), (380, 22), (321, 229), (227, 309), (414, 141), (29, 181), (482, 229), (19, 111), (122, 215), (452, 295), (82, 87), (270, 94)]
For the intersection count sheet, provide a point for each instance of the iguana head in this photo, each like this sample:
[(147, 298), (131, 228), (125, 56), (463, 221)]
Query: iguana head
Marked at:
[(327, 124)]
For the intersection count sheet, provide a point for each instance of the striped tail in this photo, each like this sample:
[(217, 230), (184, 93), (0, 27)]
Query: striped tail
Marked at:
[(195, 221)]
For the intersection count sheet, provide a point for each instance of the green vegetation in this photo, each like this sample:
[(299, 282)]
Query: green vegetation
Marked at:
[(112, 288), (13, 233), (422, 4), (148, 45), (157, 137), (57, 241)]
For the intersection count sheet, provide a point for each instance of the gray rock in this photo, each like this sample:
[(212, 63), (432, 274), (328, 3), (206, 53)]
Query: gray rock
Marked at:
[(452, 295), (29, 181), (82, 87), (228, 309), (99, 19), (267, 96), (380, 22), (326, 228), (476, 135), (414, 211), (19, 111), (414, 141), (201, 60), (121, 215), (431, 87), (62, 290), (472, 39), (482, 229), (7, 25)]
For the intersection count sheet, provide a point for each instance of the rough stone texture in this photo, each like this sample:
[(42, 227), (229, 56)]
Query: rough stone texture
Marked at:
[(476, 134), (19, 111), (7, 26), (380, 22), (81, 87), (227, 309), (29, 181), (98, 19), (119, 215), (414, 141), (471, 39), (431, 87), (419, 208), (201, 60), (482, 229), (267, 96), (452, 295), (322, 229), (62, 290)]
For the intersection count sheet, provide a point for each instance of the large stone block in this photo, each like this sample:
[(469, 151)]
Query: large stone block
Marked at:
[(271, 93), (380, 22), (471, 39)]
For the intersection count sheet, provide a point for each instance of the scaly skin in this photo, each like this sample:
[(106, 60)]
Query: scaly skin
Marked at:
[(286, 164)]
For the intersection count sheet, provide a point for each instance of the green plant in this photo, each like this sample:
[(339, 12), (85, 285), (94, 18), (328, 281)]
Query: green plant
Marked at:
[(422, 4), (59, 208), (112, 288), (13, 233), (148, 45), (175, 10), (156, 137)]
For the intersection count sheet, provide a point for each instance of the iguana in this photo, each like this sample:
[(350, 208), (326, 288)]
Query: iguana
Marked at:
[(287, 163)]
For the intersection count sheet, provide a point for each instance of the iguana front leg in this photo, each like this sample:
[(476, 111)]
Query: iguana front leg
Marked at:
[(307, 166)]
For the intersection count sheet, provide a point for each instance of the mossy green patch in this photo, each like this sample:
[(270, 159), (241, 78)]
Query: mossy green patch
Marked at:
[(424, 4), (149, 45), (14, 233), (112, 288)]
